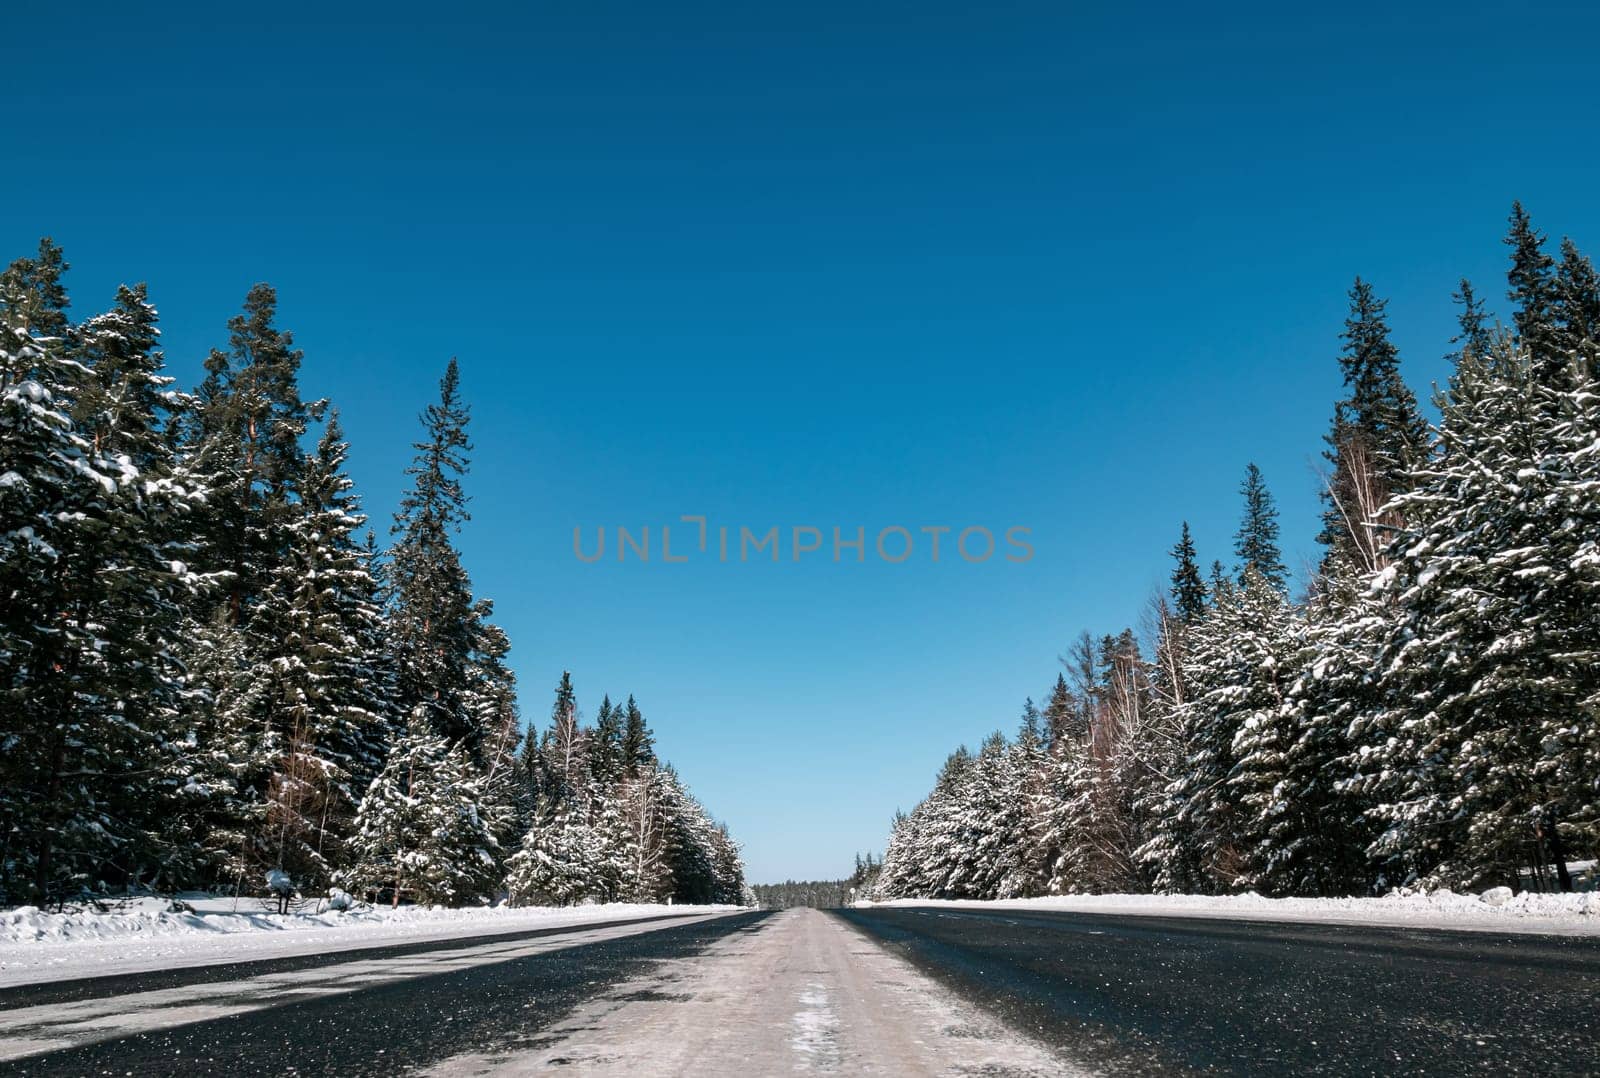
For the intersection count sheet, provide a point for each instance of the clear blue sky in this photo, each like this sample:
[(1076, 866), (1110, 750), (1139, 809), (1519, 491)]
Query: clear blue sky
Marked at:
[(853, 264)]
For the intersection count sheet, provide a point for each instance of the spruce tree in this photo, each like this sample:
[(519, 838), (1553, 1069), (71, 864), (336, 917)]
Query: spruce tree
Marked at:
[(564, 749), (246, 434), (1377, 432), (1473, 330), (638, 743), (1061, 716), (431, 620), (605, 745), (327, 717), (90, 569), (1577, 307), (1188, 589), (418, 833), (1478, 754), (1532, 288), (1256, 543), (556, 862)]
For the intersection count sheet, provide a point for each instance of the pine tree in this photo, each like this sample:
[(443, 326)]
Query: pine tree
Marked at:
[(418, 833), (1313, 831), (555, 865), (638, 744), (1478, 755), (1474, 332), (1256, 543), (89, 565), (1188, 589), (1377, 432), (564, 749), (1577, 307), (605, 746), (491, 698), (327, 717), (431, 623), (246, 433), (1533, 289), (1061, 715)]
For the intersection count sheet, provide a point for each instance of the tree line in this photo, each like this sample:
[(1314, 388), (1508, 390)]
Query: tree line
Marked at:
[(210, 671), (1426, 714), (819, 894)]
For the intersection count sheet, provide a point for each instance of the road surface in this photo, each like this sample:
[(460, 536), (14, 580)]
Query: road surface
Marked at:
[(1142, 994), (897, 991), (745, 994)]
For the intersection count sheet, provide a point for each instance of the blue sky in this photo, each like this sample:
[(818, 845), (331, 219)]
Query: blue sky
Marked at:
[(855, 265)]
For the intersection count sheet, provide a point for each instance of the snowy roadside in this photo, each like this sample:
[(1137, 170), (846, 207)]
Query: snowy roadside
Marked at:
[(1547, 914), (144, 934)]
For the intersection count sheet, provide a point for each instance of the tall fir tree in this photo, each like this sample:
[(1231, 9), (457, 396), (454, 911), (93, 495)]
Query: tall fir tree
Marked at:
[(638, 743), (1188, 589), (1377, 432), (1256, 543), (418, 833), (431, 618), (1473, 331), (328, 713), (1532, 288), (1577, 307), (1478, 755)]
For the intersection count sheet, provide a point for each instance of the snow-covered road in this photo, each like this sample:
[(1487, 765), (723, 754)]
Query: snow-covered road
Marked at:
[(142, 935), (797, 993), (60, 1024)]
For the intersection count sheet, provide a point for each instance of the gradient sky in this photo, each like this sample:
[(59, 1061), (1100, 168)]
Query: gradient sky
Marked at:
[(829, 264)]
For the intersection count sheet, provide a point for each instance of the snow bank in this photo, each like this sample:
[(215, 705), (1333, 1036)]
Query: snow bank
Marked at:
[(1553, 914), (142, 934)]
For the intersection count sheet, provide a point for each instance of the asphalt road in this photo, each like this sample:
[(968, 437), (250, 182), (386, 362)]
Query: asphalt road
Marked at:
[(892, 991), (399, 1008), (1139, 995)]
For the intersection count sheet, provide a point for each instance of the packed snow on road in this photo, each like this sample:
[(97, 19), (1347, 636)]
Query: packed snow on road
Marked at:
[(1495, 910), (140, 934)]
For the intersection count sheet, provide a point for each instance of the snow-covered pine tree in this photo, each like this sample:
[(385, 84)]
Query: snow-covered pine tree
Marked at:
[(508, 800), (1479, 754), (691, 842), (418, 833), (557, 860), (1159, 757), (242, 445), (1312, 831), (727, 869), (1235, 677), (1022, 871), (130, 623), (245, 433), (431, 620), (1577, 308), (647, 838), (564, 748), (91, 572), (49, 480), (327, 714)]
